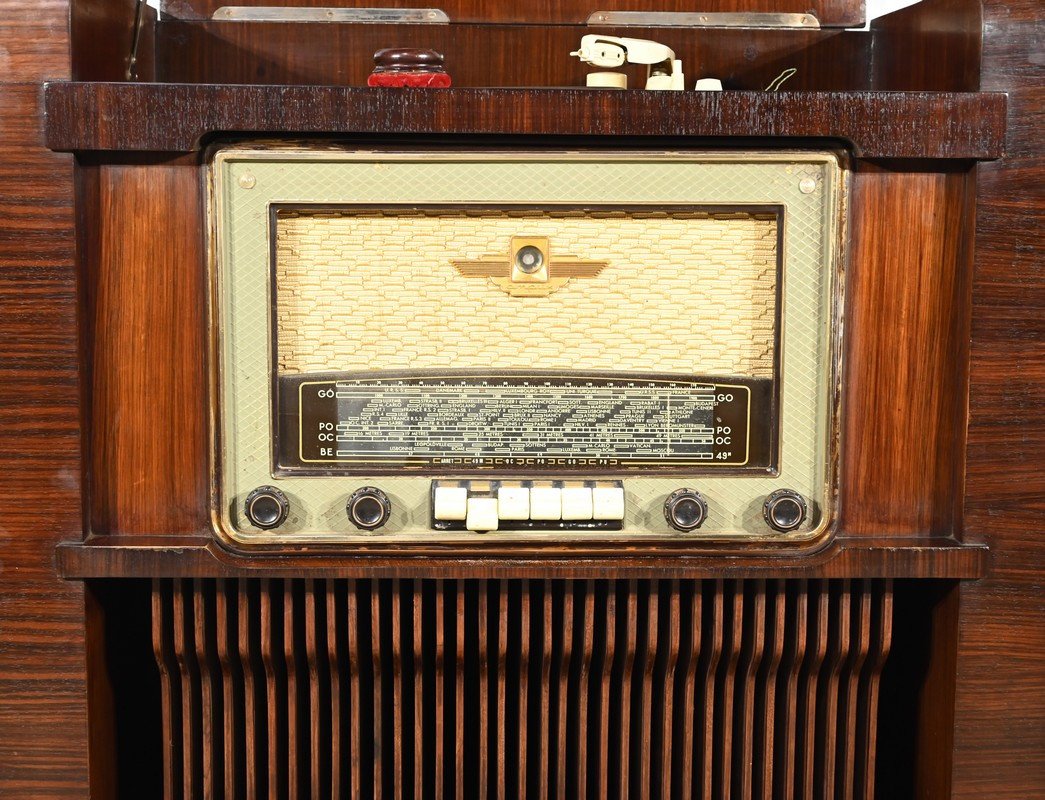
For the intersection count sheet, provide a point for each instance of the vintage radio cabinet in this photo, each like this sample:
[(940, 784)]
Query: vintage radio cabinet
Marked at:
[(517, 438)]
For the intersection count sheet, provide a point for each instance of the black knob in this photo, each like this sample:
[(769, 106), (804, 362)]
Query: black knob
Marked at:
[(368, 508), (685, 510), (266, 507), (784, 510)]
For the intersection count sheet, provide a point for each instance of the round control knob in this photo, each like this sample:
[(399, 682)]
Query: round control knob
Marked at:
[(368, 508), (685, 510), (784, 510), (266, 507)]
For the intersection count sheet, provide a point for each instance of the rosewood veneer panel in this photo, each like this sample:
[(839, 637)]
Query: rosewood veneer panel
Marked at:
[(1000, 690), (43, 695), (147, 385), (907, 349)]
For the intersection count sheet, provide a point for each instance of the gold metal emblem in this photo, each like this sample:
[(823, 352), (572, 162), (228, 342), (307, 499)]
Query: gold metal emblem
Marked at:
[(529, 269)]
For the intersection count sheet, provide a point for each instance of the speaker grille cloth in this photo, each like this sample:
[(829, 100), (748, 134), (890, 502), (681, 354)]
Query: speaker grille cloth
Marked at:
[(684, 292)]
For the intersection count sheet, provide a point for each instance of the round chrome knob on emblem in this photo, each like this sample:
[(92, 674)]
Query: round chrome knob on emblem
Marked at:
[(685, 510), (368, 508), (266, 507), (784, 510)]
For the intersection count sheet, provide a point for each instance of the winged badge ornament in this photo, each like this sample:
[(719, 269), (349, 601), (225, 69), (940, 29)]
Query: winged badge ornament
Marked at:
[(529, 269)]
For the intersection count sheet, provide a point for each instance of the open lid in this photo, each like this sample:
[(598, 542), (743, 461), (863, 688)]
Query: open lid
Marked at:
[(603, 13)]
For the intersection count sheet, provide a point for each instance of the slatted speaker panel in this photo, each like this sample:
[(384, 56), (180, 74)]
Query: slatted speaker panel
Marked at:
[(520, 689)]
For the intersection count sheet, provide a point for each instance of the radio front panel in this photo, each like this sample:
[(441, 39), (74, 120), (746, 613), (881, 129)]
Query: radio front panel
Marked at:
[(524, 347)]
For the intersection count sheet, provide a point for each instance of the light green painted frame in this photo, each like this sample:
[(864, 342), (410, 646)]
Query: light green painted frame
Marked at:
[(245, 180)]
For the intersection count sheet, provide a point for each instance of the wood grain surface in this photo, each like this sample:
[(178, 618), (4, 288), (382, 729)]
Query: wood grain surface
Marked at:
[(723, 660), (43, 700), (992, 640), (556, 12), (1000, 721), (513, 55), (178, 117), (900, 476)]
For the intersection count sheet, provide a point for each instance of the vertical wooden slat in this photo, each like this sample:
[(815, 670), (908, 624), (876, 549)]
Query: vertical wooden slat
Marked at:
[(563, 674), (248, 610), (484, 690), (725, 689), (869, 692), (417, 667), (317, 740), (605, 685), (225, 615), (688, 727), (703, 763), (647, 662), (524, 686), (275, 693), (191, 786), (797, 633), (200, 637), (459, 689), (587, 637), (357, 728), (623, 732), (861, 645), (170, 709), (397, 689), (819, 606), (668, 711), (376, 651), (502, 660), (827, 711), (744, 761), (542, 742), (294, 742), (442, 708), (338, 758), (765, 724)]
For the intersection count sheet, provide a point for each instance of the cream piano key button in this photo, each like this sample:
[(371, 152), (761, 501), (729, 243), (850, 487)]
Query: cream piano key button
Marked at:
[(450, 504), (513, 502), (482, 514), (608, 502), (545, 503), (576, 503)]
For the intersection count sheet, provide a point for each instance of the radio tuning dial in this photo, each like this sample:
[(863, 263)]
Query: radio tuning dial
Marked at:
[(368, 508), (266, 507), (784, 510), (685, 510)]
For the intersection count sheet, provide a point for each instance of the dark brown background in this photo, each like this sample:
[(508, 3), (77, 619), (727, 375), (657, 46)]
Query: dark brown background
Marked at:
[(1000, 693)]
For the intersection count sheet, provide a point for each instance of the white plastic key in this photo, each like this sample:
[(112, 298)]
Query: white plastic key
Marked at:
[(576, 503), (450, 504), (545, 503), (607, 503), (482, 514), (513, 503)]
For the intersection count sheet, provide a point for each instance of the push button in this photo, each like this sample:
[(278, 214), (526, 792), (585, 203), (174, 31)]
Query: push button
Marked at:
[(450, 503), (545, 503), (607, 503), (482, 514), (576, 503), (513, 503)]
